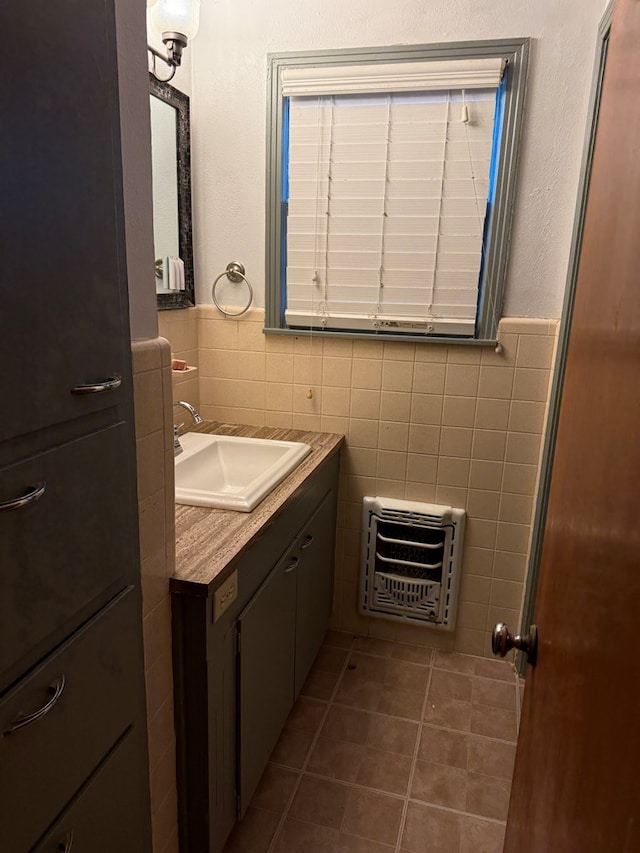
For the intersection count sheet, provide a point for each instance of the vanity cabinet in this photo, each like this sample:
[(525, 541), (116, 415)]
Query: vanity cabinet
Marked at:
[(238, 676), (279, 634), (266, 666), (314, 591)]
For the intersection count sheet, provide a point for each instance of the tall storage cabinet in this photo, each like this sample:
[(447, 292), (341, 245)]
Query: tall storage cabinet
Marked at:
[(73, 756)]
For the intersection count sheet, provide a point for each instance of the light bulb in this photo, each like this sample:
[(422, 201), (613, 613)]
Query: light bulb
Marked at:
[(176, 16)]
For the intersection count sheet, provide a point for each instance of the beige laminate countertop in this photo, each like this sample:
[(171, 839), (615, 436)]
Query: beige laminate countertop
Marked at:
[(207, 540)]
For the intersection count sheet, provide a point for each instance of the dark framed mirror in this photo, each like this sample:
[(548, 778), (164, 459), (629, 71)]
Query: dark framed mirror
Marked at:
[(172, 226)]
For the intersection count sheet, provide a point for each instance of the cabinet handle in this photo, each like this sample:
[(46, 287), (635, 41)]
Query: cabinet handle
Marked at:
[(34, 494), (66, 845), (109, 384), (291, 565), (308, 541), (27, 719)]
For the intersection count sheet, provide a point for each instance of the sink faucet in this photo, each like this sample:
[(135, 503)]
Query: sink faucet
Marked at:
[(191, 409), (177, 447)]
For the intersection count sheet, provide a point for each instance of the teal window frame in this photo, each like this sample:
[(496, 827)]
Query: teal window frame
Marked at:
[(498, 224)]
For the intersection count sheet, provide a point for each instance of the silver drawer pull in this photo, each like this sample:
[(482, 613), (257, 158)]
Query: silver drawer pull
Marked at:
[(34, 494), (109, 384), (291, 565), (66, 845), (27, 719), (308, 541)]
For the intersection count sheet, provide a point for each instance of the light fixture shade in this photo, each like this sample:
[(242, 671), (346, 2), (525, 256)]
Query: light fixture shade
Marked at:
[(176, 16)]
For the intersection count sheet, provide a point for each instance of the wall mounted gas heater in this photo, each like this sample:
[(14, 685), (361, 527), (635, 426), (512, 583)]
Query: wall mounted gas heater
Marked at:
[(411, 560)]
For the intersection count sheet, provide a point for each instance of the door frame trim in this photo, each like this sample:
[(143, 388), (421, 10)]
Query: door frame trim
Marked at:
[(546, 462)]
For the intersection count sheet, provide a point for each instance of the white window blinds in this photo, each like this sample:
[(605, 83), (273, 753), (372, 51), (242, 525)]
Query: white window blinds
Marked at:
[(387, 196), (392, 77)]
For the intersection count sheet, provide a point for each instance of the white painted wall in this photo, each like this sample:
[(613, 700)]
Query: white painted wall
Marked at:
[(135, 133), (229, 64), (136, 160)]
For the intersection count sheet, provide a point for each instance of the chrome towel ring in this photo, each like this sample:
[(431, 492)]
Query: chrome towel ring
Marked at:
[(235, 273)]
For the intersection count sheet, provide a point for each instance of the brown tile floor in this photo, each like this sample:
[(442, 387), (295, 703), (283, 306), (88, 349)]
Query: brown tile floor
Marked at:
[(390, 749)]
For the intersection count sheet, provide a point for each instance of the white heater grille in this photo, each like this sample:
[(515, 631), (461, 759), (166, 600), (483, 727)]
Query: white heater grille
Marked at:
[(411, 557)]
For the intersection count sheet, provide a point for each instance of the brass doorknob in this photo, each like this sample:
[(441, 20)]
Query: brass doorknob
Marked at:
[(502, 641)]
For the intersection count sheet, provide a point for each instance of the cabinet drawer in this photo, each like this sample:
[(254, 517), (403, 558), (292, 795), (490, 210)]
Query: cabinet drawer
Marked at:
[(67, 553), (108, 816), (44, 763)]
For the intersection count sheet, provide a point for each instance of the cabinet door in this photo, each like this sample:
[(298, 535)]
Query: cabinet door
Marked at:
[(60, 721), (108, 815), (222, 737), (69, 552), (316, 550), (266, 672), (64, 317)]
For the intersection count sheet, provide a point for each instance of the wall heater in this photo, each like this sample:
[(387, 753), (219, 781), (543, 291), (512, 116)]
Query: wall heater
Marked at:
[(411, 559)]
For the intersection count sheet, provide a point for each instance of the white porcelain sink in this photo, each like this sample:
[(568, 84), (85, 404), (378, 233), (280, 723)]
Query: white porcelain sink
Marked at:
[(231, 472)]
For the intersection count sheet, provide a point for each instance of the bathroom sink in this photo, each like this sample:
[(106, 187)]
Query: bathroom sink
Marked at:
[(232, 472)]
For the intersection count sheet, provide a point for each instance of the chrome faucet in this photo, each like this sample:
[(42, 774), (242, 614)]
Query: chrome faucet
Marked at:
[(191, 409), (177, 447)]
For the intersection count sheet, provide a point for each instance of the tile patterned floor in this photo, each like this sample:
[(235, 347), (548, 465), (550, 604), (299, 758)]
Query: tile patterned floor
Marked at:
[(390, 749)]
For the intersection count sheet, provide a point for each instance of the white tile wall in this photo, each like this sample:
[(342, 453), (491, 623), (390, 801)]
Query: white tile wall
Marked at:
[(156, 509), (447, 424)]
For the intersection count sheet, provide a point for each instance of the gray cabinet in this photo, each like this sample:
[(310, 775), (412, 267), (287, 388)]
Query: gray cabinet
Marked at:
[(60, 721), (279, 635), (266, 660), (106, 816), (70, 552), (314, 591), (237, 677), (64, 312), (71, 667)]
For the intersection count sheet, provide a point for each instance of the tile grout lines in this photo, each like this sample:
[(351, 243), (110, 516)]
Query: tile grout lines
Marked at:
[(312, 746), (391, 794), (332, 702), (422, 722), (414, 760), (406, 798)]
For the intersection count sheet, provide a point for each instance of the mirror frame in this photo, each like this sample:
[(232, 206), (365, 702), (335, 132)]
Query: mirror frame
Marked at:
[(180, 102)]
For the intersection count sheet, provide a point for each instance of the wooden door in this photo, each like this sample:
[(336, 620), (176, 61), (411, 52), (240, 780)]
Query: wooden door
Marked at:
[(576, 777)]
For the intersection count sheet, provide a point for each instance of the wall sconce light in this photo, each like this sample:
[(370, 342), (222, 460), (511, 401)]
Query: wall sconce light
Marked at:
[(177, 21)]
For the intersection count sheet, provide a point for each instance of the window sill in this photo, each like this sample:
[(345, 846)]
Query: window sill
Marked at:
[(383, 336)]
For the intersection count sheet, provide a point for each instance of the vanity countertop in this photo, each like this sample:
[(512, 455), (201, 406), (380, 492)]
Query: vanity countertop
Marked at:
[(207, 540)]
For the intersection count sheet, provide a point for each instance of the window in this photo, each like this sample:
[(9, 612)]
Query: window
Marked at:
[(390, 186)]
